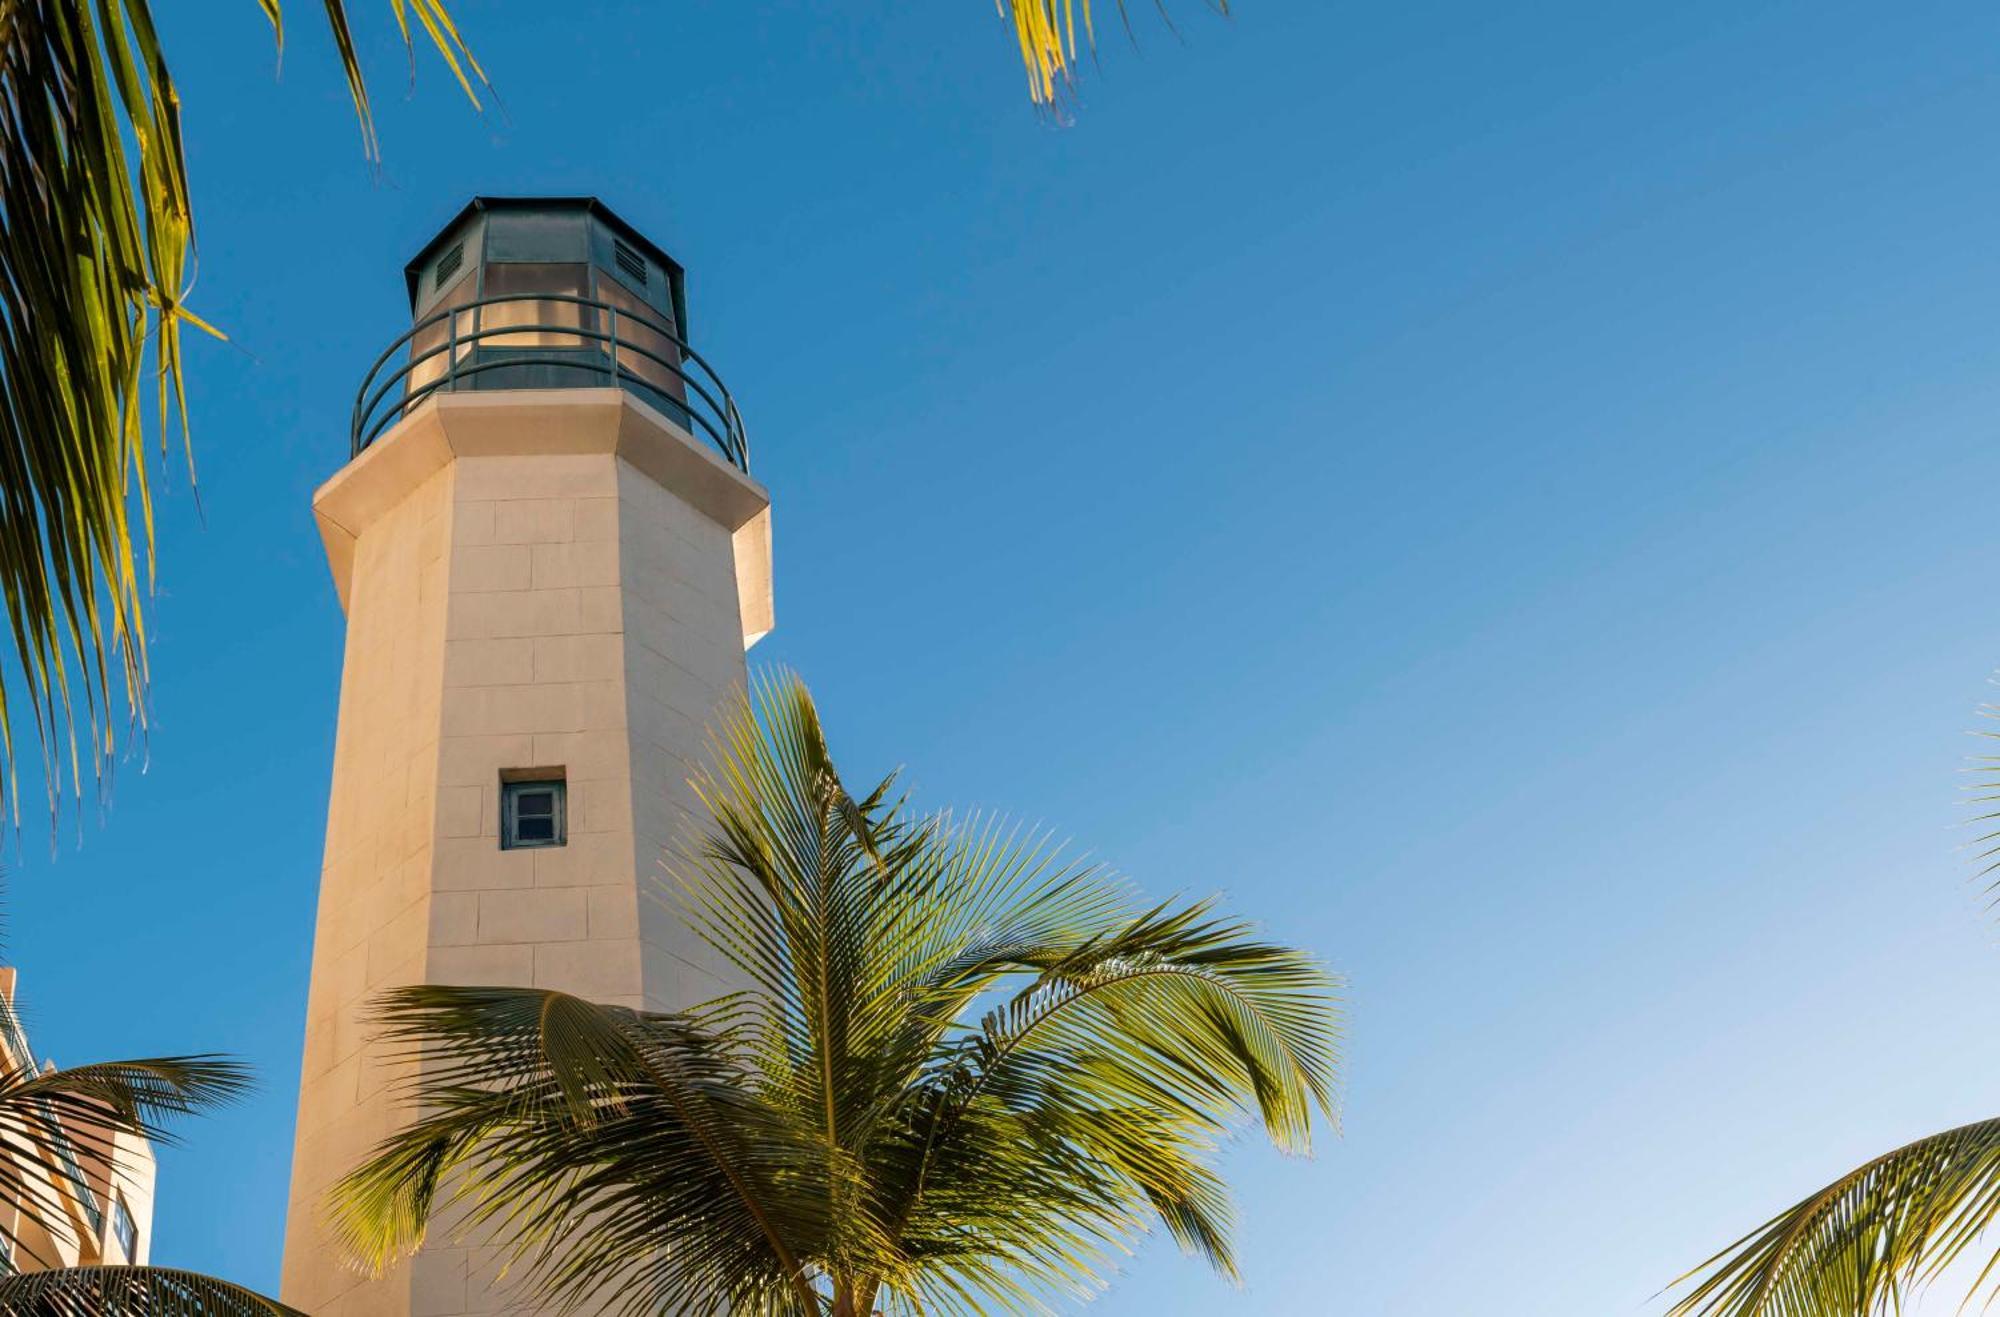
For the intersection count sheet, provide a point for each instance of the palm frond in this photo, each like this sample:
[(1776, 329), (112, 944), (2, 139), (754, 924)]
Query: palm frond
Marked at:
[(96, 243), (1856, 1247), (93, 252), (1234, 1020), (1982, 790), (135, 1096), (432, 16), (131, 1292), (860, 925), (1099, 1091), (1055, 34), (48, 1121), (596, 1132), (1003, 1162)]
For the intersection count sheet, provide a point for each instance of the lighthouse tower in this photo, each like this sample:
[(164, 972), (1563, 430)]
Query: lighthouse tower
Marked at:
[(552, 558)]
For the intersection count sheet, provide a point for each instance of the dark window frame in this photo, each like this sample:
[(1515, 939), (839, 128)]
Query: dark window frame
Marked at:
[(511, 817)]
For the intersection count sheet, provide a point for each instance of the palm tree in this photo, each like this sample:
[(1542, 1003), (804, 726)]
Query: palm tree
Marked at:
[(95, 248), (964, 1072), (46, 1119)]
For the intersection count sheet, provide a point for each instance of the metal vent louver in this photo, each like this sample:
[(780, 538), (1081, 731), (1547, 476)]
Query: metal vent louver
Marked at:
[(448, 264), (629, 261)]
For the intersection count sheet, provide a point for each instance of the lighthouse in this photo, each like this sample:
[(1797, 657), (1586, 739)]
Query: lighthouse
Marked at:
[(552, 557)]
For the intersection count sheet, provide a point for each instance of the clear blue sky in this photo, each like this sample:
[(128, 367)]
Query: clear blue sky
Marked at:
[(1504, 493)]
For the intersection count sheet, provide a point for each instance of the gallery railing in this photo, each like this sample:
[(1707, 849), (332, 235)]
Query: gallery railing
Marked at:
[(549, 340)]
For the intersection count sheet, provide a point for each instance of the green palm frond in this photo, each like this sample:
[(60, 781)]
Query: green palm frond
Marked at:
[(1983, 794), (48, 1121), (51, 1125), (965, 1074), (1858, 1246), (136, 1096), (131, 1292), (1855, 1248), (1118, 1067), (595, 1131), (96, 241)]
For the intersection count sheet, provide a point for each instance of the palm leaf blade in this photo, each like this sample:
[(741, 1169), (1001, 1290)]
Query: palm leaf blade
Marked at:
[(1856, 1246)]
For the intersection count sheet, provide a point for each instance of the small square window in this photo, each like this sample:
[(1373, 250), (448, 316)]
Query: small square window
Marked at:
[(531, 814)]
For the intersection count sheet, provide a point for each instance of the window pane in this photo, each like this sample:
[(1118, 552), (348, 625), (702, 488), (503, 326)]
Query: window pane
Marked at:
[(125, 1229), (429, 342), (636, 331), (518, 279), (532, 814)]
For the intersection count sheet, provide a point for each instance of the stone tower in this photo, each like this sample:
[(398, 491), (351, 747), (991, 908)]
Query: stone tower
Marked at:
[(552, 558)]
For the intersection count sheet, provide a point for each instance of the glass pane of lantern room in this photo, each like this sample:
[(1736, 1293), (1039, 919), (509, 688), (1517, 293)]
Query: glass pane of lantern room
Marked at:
[(427, 345), (643, 351), (521, 279)]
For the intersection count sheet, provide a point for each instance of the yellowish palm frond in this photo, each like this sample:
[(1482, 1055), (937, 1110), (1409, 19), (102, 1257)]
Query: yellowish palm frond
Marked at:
[(1055, 34), (96, 246)]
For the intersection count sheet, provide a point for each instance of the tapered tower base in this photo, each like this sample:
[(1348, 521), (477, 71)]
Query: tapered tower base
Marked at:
[(558, 584)]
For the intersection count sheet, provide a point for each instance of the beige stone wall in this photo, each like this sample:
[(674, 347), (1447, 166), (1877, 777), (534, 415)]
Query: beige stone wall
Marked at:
[(131, 1176), (534, 580), (375, 880), (533, 678), (682, 661)]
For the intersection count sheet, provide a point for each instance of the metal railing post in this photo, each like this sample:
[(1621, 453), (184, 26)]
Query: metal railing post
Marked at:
[(612, 371)]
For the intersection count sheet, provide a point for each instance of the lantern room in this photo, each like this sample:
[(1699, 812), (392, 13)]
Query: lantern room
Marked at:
[(547, 293)]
